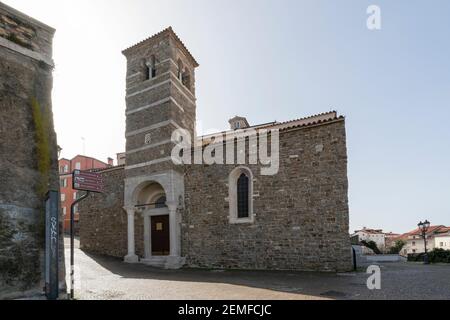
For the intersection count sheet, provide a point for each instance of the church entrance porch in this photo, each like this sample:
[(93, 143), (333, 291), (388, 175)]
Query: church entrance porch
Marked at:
[(156, 198)]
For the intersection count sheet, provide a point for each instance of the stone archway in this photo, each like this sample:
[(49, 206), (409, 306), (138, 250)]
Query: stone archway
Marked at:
[(152, 205)]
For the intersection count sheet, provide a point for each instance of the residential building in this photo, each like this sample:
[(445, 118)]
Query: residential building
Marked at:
[(442, 239), (68, 195), (436, 237), (366, 234), (390, 240)]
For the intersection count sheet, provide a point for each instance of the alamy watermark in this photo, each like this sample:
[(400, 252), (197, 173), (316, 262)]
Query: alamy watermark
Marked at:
[(374, 19), (374, 281), (230, 148)]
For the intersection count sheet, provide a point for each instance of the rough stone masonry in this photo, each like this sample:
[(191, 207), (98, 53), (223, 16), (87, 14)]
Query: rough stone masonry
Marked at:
[(28, 152)]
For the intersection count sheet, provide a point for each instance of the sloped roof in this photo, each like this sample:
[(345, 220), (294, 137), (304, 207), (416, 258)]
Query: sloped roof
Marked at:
[(433, 230), (167, 31), (318, 119)]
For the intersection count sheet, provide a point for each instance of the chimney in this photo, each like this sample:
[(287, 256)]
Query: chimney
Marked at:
[(111, 162)]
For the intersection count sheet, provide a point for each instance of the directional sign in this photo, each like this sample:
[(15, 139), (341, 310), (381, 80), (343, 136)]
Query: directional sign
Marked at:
[(87, 181)]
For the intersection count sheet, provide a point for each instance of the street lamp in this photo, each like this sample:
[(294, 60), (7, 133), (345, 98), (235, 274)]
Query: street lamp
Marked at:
[(423, 227)]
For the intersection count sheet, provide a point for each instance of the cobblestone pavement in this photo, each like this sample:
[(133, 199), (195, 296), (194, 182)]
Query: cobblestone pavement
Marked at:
[(107, 278)]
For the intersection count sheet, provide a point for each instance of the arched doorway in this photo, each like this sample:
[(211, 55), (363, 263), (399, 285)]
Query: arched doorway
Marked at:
[(152, 203)]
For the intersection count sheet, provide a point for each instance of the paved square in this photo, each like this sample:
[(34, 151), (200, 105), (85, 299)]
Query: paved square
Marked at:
[(108, 278)]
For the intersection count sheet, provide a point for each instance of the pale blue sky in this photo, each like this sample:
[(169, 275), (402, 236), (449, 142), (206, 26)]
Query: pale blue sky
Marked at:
[(280, 60)]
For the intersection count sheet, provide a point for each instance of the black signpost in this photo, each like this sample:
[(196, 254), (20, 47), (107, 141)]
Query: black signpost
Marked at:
[(51, 245), (82, 181)]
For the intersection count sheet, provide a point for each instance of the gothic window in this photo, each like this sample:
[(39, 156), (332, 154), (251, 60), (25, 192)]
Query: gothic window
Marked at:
[(242, 196)]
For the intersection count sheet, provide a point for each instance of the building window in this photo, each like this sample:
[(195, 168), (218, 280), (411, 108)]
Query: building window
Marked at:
[(64, 211), (186, 79), (63, 183), (180, 70), (75, 208), (241, 196), (66, 168), (150, 68), (63, 197), (75, 196)]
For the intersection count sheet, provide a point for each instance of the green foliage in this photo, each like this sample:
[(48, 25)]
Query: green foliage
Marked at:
[(371, 245), (435, 256), (42, 126), (398, 246)]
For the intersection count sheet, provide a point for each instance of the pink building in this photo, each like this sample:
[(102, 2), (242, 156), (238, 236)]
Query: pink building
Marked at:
[(68, 195)]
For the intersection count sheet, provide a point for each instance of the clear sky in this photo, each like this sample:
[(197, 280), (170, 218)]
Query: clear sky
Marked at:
[(279, 60)]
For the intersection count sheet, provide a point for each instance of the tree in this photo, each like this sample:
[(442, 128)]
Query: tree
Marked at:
[(371, 245), (398, 246)]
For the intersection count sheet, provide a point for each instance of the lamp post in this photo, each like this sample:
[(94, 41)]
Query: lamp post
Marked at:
[(423, 227)]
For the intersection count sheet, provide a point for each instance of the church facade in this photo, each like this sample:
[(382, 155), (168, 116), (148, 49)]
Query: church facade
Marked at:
[(220, 214)]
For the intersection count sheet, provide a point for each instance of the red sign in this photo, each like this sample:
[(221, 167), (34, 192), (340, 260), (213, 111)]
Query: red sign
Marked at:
[(87, 181)]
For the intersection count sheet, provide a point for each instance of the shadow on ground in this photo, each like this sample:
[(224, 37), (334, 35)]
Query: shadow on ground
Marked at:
[(314, 284)]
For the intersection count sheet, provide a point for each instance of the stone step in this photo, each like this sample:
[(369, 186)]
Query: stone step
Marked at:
[(164, 262), (157, 262)]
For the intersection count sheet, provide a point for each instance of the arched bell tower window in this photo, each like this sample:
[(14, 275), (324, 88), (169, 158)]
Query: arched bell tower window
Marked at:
[(186, 79), (241, 196), (180, 70), (150, 68)]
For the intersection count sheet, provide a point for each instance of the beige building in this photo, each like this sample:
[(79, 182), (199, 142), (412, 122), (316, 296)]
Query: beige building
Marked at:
[(442, 240), (436, 237), (375, 235)]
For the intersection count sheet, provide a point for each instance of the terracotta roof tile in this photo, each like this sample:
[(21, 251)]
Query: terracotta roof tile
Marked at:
[(170, 31), (318, 119)]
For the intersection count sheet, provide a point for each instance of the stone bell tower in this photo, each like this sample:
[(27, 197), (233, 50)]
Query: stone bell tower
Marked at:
[(160, 98)]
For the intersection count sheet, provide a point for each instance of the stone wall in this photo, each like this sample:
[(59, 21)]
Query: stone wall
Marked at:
[(301, 214), (103, 222), (28, 152)]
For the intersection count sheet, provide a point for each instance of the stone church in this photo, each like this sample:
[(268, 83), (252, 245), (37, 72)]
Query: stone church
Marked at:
[(228, 216)]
